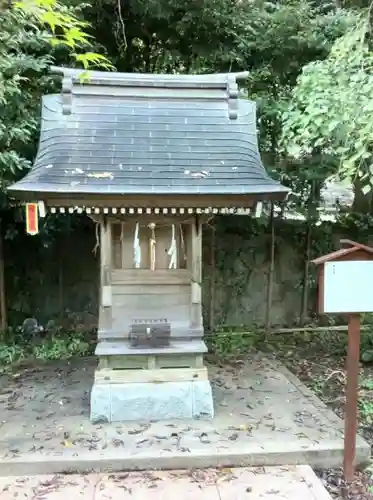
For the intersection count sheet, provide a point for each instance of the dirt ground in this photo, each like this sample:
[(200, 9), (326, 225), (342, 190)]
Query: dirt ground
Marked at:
[(317, 361)]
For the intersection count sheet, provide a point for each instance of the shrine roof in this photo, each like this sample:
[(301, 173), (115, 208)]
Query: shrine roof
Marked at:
[(113, 133), (348, 247)]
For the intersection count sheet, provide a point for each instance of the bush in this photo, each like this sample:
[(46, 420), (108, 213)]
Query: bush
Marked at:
[(61, 346), (228, 343), (366, 344), (11, 353)]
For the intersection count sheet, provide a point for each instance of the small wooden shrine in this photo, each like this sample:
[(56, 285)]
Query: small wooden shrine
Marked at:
[(150, 158)]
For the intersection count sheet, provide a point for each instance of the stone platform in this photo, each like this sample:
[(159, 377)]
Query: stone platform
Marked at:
[(282, 483), (263, 416)]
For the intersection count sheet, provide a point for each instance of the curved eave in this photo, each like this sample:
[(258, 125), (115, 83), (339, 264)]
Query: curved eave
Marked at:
[(26, 191)]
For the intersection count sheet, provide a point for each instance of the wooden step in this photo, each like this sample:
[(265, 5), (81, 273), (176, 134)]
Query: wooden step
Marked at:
[(151, 361), (158, 376)]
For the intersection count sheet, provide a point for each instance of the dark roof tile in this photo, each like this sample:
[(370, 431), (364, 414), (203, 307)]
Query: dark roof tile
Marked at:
[(124, 145)]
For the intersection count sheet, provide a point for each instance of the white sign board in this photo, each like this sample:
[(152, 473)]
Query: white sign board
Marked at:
[(348, 287)]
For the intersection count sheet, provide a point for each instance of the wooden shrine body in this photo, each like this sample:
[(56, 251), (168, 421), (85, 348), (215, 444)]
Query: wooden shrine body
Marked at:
[(151, 296)]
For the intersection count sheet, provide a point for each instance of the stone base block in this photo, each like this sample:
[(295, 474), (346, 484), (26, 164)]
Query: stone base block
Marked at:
[(147, 402)]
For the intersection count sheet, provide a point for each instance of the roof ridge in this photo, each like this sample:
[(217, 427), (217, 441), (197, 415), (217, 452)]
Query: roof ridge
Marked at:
[(203, 80), (222, 86)]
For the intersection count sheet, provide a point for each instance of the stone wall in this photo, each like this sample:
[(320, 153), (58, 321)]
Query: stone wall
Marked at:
[(242, 257), (60, 281)]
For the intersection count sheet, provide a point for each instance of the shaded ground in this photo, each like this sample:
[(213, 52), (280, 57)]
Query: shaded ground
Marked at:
[(49, 394), (260, 409), (319, 361), (291, 483)]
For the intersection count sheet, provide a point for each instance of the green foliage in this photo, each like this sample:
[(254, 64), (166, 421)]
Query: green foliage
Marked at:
[(10, 354), (64, 28), (365, 400), (332, 103), (33, 35), (228, 344), (24, 59), (286, 37), (61, 348), (14, 348), (216, 35), (366, 343), (273, 40)]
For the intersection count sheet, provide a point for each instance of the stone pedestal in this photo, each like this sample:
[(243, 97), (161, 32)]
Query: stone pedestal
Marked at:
[(151, 384), (151, 401)]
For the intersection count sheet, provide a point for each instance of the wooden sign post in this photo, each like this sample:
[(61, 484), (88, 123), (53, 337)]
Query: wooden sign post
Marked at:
[(341, 278)]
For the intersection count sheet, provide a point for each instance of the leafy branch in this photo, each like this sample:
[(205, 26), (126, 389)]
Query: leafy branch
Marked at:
[(64, 28), (332, 104)]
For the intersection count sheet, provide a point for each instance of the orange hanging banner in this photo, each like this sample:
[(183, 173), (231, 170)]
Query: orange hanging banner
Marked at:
[(32, 219)]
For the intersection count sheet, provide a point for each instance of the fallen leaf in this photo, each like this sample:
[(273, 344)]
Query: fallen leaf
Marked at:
[(204, 438), (245, 428)]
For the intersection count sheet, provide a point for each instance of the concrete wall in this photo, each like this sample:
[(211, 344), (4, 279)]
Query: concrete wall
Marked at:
[(60, 281)]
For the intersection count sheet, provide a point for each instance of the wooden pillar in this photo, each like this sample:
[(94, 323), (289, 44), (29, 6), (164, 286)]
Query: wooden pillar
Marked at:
[(196, 268), (212, 280), (106, 317), (352, 390)]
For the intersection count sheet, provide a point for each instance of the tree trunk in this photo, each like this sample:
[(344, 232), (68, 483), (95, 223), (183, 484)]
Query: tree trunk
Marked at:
[(312, 204), (307, 250), (362, 202)]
